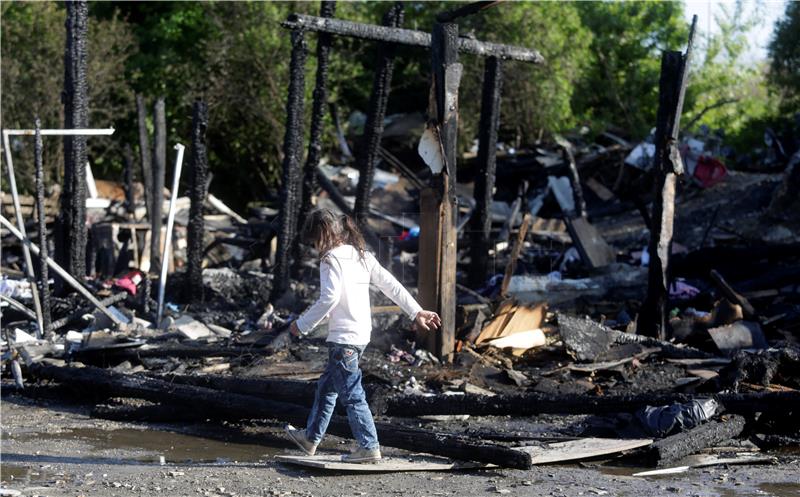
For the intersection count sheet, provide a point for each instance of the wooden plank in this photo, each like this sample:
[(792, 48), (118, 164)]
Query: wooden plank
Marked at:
[(518, 245), (593, 249), (584, 448), (495, 327), (429, 258), (385, 465)]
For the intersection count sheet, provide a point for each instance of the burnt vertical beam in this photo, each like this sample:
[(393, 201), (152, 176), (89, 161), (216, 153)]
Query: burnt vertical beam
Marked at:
[(130, 202), (44, 287), (144, 155), (373, 128), (159, 168), (198, 174), (481, 220), (574, 177), (71, 231), (292, 155), (437, 266), (652, 320), (324, 40)]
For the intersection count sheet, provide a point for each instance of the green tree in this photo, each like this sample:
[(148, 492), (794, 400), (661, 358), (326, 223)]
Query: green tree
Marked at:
[(32, 53), (784, 53), (620, 86)]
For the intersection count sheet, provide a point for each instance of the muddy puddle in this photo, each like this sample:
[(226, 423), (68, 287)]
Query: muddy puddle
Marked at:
[(152, 445)]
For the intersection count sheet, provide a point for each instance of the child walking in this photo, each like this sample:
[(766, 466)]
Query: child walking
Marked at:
[(346, 271)]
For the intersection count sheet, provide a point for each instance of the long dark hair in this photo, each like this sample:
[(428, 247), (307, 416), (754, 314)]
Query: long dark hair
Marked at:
[(326, 230)]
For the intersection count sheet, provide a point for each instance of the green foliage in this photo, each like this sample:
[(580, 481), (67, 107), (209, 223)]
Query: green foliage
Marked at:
[(726, 92), (602, 69), (620, 86), (33, 78), (784, 52)]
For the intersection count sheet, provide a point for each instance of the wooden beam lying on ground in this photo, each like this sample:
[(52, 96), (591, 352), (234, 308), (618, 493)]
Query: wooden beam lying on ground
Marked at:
[(223, 404), (672, 448), (528, 404)]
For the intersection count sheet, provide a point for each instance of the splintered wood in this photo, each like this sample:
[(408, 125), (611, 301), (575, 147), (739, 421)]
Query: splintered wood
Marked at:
[(516, 326)]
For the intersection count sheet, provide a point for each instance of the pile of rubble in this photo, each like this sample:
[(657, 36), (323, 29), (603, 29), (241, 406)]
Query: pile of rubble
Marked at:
[(548, 329)]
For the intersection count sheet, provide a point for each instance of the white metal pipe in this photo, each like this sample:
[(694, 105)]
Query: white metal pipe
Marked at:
[(62, 132), (162, 282), (61, 271), (12, 182)]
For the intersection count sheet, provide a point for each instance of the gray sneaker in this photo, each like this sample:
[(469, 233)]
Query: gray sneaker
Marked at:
[(299, 438), (362, 455)]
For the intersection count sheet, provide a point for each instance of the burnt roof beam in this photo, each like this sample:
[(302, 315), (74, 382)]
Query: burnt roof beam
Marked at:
[(408, 37)]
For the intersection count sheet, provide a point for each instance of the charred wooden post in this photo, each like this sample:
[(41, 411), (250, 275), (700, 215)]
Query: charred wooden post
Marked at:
[(144, 154), (44, 287), (324, 41), (71, 231), (652, 319), (437, 252), (292, 154), (373, 128), (198, 175), (671, 449), (574, 177), (130, 202), (481, 221), (159, 168)]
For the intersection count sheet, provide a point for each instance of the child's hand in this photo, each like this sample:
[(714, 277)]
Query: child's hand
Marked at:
[(427, 320)]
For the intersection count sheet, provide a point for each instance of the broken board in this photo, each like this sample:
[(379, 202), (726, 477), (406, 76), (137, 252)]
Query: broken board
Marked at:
[(386, 465), (593, 249), (584, 448)]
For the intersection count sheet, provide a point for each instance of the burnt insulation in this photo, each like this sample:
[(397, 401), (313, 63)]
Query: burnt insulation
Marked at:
[(198, 175), (42, 283), (373, 128), (481, 221), (292, 151), (144, 154), (71, 232), (324, 40), (159, 167)]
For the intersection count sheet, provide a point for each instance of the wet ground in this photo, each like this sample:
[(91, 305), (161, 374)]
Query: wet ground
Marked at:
[(53, 449)]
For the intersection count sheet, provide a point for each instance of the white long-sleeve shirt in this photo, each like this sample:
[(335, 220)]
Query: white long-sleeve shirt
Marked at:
[(344, 279)]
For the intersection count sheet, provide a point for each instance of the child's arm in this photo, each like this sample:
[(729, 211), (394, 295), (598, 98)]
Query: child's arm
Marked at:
[(330, 288), (393, 289)]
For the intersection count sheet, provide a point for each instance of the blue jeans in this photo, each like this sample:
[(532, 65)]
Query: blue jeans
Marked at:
[(342, 379)]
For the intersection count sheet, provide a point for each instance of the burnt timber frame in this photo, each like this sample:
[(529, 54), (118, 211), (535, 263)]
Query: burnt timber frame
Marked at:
[(437, 283), (652, 319)]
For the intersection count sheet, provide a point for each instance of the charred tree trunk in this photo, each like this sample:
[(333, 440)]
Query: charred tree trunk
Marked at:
[(44, 286), (652, 320), (481, 221), (145, 156), (130, 202), (292, 154), (72, 232), (198, 176), (159, 168), (327, 9), (373, 128), (236, 406)]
